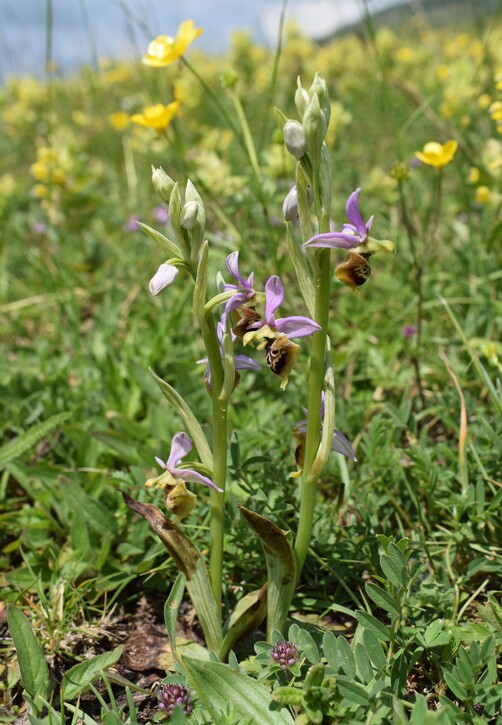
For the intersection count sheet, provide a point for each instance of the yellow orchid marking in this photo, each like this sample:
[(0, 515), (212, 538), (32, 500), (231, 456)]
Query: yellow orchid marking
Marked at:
[(436, 154), (164, 50), (157, 117)]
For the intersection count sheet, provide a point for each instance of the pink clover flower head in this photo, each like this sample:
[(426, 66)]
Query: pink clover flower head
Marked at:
[(409, 331), (172, 695), (164, 277), (285, 654), (131, 225), (181, 446)]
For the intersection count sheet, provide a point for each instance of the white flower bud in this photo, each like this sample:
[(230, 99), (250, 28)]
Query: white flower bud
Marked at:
[(189, 215), (294, 138)]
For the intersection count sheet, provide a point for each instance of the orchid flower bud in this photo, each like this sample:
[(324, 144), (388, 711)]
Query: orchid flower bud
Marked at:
[(301, 99), (294, 138), (162, 183), (189, 215)]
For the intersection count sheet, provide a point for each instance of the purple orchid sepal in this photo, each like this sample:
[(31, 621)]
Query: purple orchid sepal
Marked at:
[(243, 289), (351, 235), (181, 446)]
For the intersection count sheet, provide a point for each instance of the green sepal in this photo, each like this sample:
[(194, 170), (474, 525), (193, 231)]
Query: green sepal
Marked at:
[(315, 127), (228, 367), (281, 568), (328, 426), (200, 290), (286, 695), (175, 212), (302, 271), (247, 616), (188, 560), (190, 421), (280, 118), (325, 180), (167, 246), (199, 230)]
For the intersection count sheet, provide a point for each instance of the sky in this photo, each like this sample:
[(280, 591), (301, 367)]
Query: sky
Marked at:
[(85, 30)]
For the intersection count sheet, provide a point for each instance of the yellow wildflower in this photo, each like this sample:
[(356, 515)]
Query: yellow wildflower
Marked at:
[(436, 154), (484, 101), (474, 175), (164, 50), (157, 117), (40, 171), (119, 120), (442, 72), (39, 191), (404, 54), (482, 195)]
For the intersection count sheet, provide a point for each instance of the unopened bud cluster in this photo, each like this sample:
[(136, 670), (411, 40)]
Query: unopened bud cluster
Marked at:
[(172, 695), (285, 654)]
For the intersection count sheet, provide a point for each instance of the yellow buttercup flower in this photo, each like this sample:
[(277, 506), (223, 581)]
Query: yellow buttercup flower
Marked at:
[(436, 154), (482, 194), (164, 50), (157, 117), (119, 120)]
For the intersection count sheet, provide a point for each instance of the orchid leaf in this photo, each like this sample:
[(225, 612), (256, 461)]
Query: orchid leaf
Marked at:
[(188, 418), (79, 678), (249, 613), (189, 561), (172, 606), (281, 568), (302, 272)]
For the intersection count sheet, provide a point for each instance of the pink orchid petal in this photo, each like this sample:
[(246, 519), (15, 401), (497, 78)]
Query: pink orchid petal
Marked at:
[(274, 297), (181, 446), (353, 214), (243, 362), (341, 444), (190, 476), (160, 462), (297, 326), (334, 240)]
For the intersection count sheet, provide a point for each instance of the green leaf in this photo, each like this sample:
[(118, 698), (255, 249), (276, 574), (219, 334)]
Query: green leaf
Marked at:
[(300, 263), (216, 684), (32, 665), (374, 625), (363, 663), (190, 421), (22, 443), (330, 651), (287, 695), (352, 691), (455, 686), (281, 568), (79, 678), (434, 634), (172, 606), (169, 247), (314, 677), (308, 646), (393, 568), (189, 560), (346, 656), (247, 616), (381, 598), (374, 649)]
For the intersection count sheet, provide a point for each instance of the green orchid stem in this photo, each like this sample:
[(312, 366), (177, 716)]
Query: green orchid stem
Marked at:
[(316, 379)]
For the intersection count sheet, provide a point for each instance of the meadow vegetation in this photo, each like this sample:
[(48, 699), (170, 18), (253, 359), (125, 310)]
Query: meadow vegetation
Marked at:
[(396, 617)]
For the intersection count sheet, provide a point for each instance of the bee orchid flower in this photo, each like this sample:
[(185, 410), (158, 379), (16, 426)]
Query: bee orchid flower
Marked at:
[(275, 334)]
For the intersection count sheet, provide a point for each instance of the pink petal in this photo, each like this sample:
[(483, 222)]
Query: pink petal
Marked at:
[(190, 476), (274, 297), (165, 276), (181, 446), (297, 326)]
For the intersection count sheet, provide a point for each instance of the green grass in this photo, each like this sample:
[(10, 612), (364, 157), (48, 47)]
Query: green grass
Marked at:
[(82, 418)]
